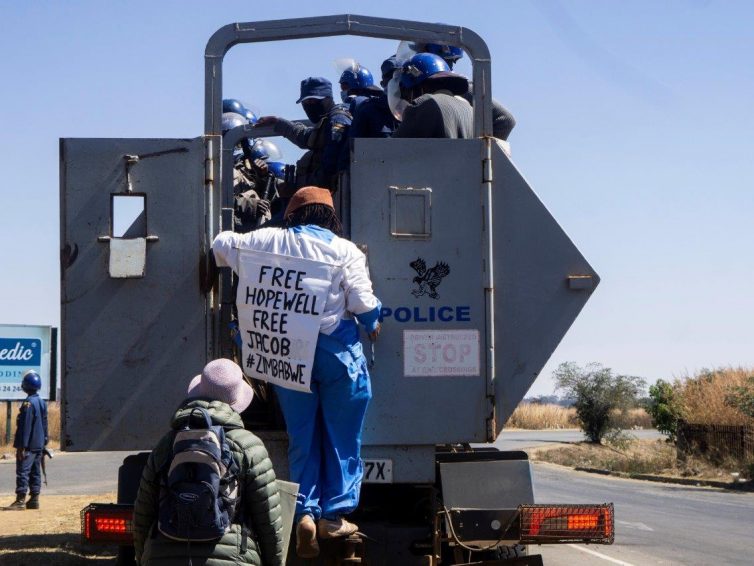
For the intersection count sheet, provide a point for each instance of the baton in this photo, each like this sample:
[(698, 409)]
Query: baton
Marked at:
[(46, 453), (267, 194)]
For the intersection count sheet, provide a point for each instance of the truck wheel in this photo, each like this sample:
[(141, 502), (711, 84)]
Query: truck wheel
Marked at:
[(515, 551)]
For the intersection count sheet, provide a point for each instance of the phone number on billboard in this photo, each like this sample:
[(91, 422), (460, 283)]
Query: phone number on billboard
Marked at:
[(10, 388)]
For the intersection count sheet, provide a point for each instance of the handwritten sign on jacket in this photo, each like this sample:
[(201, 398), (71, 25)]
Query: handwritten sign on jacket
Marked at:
[(280, 302)]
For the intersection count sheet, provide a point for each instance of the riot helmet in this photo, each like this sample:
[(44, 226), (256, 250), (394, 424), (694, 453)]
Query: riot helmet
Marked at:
[(276, 169), (250, 116), (31, 382), (355, 80), (421, 67), (450, 53), (232, 120), (357, 77), (233, 105), (266, 149)]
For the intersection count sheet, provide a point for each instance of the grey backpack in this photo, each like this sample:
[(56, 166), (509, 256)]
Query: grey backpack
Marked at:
[(200, 487)]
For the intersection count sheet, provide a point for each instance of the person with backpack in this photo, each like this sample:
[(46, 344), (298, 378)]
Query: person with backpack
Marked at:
[(208, 494)]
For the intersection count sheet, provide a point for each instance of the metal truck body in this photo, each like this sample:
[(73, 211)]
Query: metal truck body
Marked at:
[(451, 364)]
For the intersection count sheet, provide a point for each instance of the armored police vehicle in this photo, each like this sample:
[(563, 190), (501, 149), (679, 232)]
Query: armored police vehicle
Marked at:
[(479, 284)]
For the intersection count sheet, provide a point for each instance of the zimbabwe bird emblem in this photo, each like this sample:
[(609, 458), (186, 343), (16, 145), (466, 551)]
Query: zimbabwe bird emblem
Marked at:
[(428, 280)]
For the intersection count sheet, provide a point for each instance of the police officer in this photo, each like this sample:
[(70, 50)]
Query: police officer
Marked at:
[(367, 103), (29, 442), (431, 103), (326, 140), (255, 185), (503, 121)]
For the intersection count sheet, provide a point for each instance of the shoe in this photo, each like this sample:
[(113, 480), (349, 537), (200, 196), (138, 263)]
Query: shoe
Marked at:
[(18, 504), (306, 538), (336, 528), (33, 502)]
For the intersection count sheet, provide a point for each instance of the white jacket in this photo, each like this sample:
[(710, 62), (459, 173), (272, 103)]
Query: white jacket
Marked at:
[(351, 289)]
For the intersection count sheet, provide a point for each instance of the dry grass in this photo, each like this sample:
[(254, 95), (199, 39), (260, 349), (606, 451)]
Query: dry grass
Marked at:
[(656, 457), (50, 535), (53, 426), (702, 396), (536, 416)]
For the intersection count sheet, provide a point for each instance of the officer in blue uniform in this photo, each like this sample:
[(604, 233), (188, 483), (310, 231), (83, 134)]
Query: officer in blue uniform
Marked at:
[(326, 139), (367, 103), (30, 441)]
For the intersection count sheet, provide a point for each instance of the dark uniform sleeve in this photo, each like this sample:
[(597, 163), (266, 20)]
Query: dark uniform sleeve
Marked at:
[(294, 132), (24, 423), (263, 505), (336, 151)]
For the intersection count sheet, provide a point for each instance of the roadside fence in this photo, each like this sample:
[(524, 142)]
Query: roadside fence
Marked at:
[(717, 442)]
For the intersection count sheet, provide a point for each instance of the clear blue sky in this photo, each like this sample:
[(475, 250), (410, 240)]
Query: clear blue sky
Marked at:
[(635, 124)]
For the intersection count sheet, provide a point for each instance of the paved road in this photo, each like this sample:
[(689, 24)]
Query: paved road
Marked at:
[(72, 473), (655, 523), (525, 439), (97, 472)]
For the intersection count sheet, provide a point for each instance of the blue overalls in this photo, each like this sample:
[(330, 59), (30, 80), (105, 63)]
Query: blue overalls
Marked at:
[(31, 436), (324, 426)]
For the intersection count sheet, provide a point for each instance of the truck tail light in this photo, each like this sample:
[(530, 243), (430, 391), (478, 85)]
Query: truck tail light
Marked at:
[(567, 523), (107, 523)]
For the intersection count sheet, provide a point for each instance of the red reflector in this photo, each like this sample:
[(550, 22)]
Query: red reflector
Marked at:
[(567, 523), (107, 523)]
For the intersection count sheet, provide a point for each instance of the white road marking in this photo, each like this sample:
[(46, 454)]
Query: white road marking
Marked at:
[(600, 555), (637, 525)]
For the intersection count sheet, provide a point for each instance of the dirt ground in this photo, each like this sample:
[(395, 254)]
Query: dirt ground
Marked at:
[(655, 457), (50, 535)]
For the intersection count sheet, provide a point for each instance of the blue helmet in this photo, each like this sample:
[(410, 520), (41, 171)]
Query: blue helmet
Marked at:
[(277, 169), (233, 105), (420, 67), (356, 77), (265, 149), (250, 116), (450, 53), (232, 120), (31, 383)]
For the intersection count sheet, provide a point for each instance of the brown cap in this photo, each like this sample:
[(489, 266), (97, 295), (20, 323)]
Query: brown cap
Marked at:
[(308, 195)]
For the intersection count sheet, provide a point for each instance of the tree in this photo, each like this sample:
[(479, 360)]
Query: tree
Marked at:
[(599, 394), (664, 408)]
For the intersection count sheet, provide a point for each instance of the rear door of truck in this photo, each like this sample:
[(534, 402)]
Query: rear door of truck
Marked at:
[(134, 320)]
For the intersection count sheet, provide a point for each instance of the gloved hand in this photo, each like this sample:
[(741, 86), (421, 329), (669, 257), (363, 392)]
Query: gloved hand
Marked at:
[(266, 121)]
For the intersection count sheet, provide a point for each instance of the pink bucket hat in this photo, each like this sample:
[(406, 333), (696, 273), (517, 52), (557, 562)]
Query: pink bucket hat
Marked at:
[(223, 380)]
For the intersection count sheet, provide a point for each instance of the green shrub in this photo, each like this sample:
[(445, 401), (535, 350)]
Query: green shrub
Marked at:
[(664, 408), (741, 397), (597, 393)]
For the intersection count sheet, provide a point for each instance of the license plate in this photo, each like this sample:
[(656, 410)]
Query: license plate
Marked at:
[(378, 471)]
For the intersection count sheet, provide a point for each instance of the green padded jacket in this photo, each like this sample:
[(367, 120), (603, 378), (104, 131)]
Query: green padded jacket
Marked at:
[(260, 500)]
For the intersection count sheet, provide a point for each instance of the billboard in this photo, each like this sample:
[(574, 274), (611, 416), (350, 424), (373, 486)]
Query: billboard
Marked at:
[(23, 348)]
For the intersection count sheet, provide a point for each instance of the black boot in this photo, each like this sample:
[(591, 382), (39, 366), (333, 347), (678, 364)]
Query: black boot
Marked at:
[(18, 504), (33, 502)]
